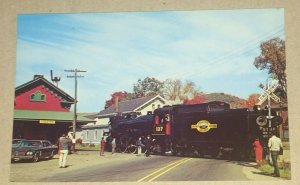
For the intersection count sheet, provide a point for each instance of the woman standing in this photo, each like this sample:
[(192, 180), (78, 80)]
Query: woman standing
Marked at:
[(102, 145), (258, 151)]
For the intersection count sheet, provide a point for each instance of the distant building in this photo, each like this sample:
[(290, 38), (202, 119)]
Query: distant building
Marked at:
[(92, 132), (42, 111)]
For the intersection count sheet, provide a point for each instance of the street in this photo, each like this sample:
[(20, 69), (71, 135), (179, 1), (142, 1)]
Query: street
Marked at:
[(156, 168), (88, 166)]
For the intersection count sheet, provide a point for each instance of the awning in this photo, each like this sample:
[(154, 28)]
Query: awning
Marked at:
[(32, 115)]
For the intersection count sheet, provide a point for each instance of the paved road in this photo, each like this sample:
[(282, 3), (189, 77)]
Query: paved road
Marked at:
[(155, 168), (88, 166)]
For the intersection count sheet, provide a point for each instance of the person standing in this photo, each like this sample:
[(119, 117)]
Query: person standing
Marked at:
[(139, 146), (102, 145), (113, 146), (274, 145), (63, 151), (148, 146), (258, 151)]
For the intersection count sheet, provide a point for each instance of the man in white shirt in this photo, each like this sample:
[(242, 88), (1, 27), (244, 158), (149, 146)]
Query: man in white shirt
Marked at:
[(139, 146), (274, 145), (63, 151)]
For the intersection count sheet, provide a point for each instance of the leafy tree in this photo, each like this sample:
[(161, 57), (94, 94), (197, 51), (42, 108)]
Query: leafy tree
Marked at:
[(122, 96), (199, 98), (252, 100), (147, 87), (273, 59)]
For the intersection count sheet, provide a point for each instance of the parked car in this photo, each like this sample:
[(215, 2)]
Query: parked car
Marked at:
[(32, 150), (17, 141)]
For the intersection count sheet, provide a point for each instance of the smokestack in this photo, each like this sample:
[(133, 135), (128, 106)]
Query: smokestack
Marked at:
[(116, 104)]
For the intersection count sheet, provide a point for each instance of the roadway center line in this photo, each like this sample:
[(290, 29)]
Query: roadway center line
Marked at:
[(165, 171), (157, 172)]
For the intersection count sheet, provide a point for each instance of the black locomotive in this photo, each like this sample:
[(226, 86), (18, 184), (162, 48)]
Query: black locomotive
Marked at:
[(209, 128)]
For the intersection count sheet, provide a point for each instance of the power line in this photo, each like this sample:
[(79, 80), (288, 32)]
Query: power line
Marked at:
[(241, 50), (224, 59)]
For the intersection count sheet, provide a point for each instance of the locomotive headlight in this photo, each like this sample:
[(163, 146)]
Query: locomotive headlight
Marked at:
[(257, 108)]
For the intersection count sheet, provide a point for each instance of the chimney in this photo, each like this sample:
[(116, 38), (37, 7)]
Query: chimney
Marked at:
[(116, 104), (37, 76)]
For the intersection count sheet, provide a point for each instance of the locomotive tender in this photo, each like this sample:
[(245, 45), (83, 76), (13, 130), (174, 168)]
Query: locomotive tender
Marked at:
[(206, 128)]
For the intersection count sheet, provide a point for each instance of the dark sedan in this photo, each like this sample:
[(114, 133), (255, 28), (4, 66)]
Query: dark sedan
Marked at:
[(33, 150)]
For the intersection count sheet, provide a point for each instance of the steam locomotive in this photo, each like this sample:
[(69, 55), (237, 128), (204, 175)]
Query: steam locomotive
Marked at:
[(208, 128)]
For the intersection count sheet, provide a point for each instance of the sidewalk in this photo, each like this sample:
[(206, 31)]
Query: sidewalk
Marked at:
[(30, 172)]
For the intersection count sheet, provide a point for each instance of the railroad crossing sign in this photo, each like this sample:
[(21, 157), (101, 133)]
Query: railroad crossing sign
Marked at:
[(269, 92)]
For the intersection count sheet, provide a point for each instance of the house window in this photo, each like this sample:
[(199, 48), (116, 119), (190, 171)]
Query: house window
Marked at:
[(158, 106), (153, 107), (95, 134), (37, 97), (87, 135)]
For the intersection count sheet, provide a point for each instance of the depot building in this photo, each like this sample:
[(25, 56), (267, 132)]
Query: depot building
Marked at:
[(42, 111)]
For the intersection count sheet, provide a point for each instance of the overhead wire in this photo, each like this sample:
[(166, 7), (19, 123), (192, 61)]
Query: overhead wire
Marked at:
[(248, 46)]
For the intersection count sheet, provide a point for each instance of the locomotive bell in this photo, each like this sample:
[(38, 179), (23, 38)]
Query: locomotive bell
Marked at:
[(261, 120)]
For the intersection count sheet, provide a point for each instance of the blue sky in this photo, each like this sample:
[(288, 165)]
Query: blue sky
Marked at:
[(213, 48)]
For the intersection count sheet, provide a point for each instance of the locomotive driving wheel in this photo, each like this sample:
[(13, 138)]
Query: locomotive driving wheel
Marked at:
[(123, 144)]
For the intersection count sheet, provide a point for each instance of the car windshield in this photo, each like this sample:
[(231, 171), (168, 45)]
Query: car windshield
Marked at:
[(31, 143), (16, 142)]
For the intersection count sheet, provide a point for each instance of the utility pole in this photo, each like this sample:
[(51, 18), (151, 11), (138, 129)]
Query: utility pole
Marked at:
[(269, 105), (75, 76)]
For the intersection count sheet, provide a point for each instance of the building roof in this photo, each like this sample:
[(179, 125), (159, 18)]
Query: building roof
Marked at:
[(32, 115), (129, 105), (40, 80)]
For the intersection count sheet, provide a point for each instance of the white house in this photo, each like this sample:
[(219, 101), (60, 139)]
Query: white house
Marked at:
[(92, 132)]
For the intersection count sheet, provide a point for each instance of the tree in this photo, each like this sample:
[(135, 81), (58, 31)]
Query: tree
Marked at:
[(252, 100), (176, 89), (172, 89), (122, 96), (273, 59), (147, 87), (199, 98)]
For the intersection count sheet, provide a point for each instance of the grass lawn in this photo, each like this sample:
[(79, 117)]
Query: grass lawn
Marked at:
[(284, 169), (87, 147)]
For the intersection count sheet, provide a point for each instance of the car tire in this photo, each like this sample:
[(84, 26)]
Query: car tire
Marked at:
[(51, 155), (36, 157)]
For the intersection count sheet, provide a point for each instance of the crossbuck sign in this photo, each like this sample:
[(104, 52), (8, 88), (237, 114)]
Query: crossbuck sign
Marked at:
[(269, 92)]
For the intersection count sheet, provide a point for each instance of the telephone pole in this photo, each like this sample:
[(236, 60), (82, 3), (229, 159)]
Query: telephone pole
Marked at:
[(75, 76)]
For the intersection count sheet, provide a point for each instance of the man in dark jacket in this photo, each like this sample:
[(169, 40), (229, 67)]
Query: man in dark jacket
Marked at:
[(148, 145)]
